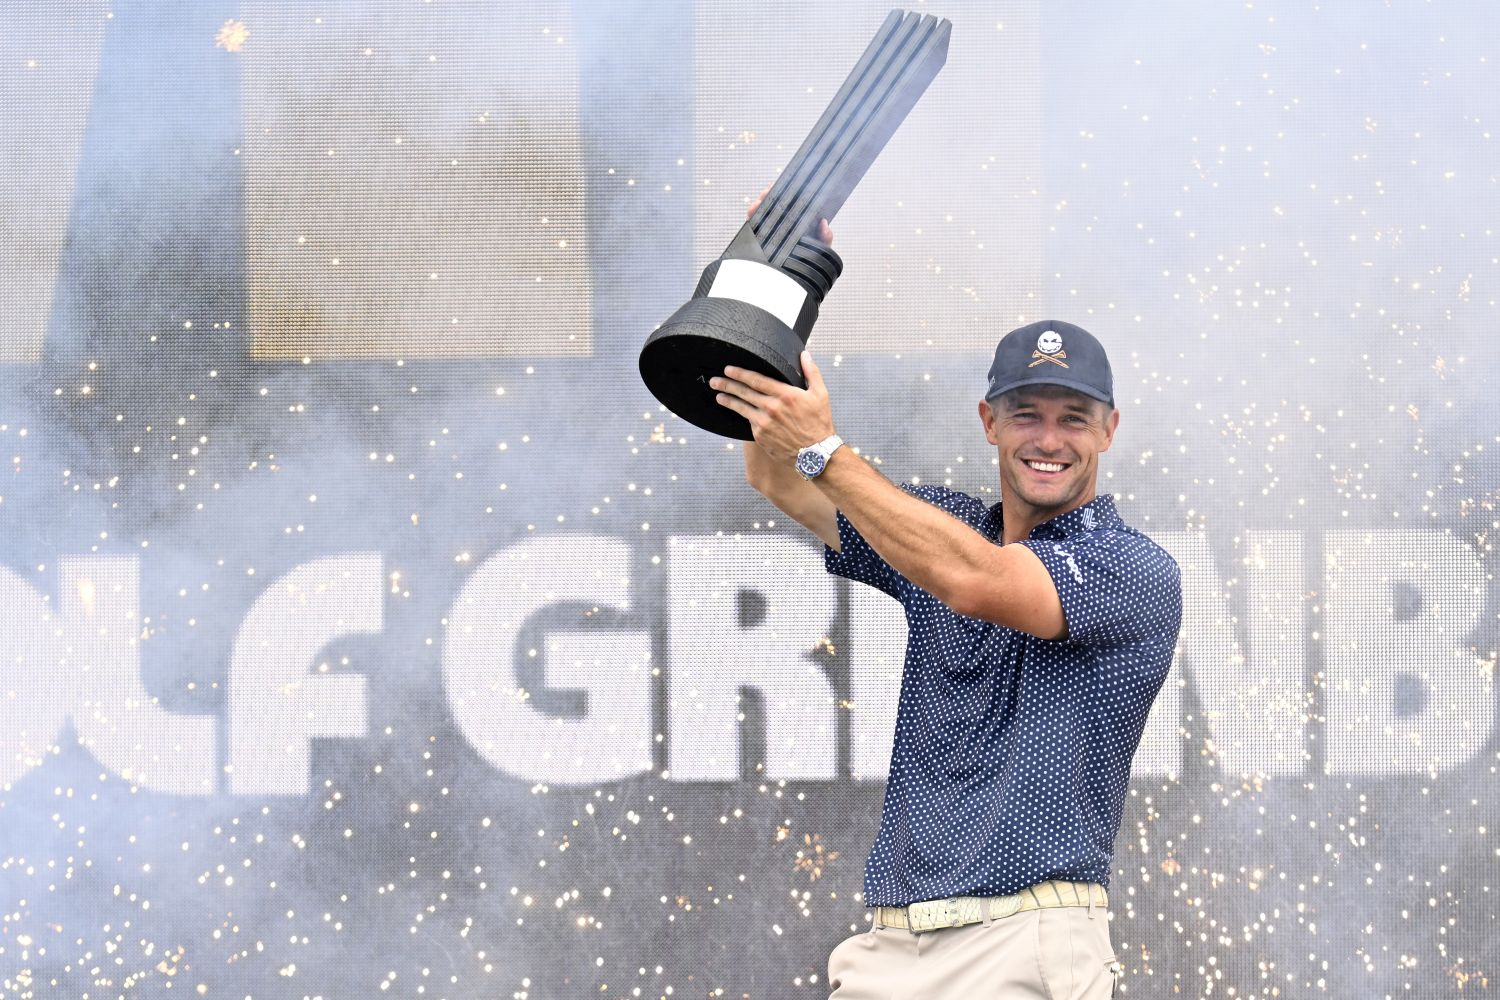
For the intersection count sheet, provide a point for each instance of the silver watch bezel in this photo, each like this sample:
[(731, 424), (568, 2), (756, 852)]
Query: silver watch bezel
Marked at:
[(823, 450)]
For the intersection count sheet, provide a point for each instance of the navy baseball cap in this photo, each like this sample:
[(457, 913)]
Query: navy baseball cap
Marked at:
[(1051, 352)]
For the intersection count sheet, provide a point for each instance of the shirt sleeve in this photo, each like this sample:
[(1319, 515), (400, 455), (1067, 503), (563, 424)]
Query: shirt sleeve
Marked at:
[(857, 560), (1115, 586)]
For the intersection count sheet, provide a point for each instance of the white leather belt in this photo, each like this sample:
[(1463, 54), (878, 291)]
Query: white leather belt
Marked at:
[(935, 914)]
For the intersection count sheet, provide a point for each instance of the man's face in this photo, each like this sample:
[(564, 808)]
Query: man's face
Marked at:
[(1049, 439)]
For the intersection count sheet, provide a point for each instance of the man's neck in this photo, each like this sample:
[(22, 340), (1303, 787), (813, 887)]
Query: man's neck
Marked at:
[(1018, 517)]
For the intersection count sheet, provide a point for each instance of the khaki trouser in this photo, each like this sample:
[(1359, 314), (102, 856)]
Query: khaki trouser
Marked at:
[(1049, 954)]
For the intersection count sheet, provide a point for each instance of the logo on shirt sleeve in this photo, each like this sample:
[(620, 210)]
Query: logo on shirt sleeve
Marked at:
[(1072, 565)]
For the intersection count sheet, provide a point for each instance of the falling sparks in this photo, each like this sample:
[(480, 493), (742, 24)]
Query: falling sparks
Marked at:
[(811, 858)]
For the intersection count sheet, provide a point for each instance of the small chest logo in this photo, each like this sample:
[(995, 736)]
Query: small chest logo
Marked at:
[(1049, 347)]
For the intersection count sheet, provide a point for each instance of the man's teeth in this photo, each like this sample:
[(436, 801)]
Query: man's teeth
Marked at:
[(1046, 466)]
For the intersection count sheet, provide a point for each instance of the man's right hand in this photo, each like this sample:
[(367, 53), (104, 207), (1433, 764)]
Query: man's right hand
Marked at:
[(779, 482)]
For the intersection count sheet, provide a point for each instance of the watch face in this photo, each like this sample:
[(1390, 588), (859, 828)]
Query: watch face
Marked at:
[(810, 463)]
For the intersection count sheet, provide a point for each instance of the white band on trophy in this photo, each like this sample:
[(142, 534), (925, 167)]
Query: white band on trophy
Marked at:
[(761, 285)]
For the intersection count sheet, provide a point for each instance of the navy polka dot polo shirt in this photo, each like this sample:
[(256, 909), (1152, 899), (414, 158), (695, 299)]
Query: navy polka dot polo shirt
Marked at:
[(1012, 753)]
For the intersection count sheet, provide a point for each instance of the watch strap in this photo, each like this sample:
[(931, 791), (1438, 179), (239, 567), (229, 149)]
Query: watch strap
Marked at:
[(824, 449)]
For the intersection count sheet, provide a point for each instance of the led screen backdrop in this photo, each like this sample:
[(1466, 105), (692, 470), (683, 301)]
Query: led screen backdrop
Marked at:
[(369, 630)]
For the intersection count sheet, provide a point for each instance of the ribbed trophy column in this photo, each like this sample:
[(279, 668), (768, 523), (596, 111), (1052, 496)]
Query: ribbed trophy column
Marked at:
[(755, 306)]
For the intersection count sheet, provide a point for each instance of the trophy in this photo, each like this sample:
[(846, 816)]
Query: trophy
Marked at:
[(755, 306)]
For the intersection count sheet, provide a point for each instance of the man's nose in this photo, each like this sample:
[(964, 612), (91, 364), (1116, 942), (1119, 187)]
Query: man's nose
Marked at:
[(1049, 436)]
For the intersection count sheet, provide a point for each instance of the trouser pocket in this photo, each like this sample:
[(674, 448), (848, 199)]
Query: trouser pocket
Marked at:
[(1077, 961)]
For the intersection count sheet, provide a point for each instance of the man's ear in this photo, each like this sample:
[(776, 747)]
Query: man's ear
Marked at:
[(987, 418), (1111, 423)]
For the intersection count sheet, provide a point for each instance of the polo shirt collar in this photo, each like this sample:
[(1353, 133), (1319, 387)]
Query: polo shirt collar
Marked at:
[(1098, 513)]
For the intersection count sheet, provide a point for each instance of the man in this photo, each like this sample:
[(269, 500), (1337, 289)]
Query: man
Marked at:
[(1039, 631)]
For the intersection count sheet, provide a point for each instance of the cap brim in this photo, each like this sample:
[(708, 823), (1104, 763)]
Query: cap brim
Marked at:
[(1078, 387)]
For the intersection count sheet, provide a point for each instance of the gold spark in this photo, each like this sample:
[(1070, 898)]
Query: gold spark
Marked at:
[(232, 35), (87, 594), (1462, 978)]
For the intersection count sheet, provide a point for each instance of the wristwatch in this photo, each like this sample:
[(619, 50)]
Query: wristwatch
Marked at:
[(812, 460)]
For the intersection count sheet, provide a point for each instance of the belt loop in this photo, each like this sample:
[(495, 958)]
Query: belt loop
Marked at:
[(987, 909), (1091, 900), (876, 923)]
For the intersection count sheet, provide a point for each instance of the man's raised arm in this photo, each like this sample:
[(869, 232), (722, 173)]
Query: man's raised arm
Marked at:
[(779, 482), (794, 496)]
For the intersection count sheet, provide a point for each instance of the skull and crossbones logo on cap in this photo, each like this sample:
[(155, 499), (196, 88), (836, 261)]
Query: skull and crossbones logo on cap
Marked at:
[(1049, 347)]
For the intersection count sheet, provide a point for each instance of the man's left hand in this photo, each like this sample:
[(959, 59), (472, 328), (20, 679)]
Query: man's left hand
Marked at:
[(783, 418)]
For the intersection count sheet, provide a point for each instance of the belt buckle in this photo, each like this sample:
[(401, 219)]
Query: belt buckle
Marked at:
[(950, 911)]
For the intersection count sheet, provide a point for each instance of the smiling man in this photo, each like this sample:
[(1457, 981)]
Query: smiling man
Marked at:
[(1039, 632)]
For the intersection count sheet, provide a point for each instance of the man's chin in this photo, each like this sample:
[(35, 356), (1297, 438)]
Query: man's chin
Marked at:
[(1056, 498)]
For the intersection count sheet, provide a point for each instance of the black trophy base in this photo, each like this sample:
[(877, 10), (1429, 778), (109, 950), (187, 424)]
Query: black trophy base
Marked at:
[(699, 340)]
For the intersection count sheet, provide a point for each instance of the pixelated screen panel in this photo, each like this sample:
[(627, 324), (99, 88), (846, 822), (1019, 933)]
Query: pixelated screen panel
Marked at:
[(414, 181), (49, 55)]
